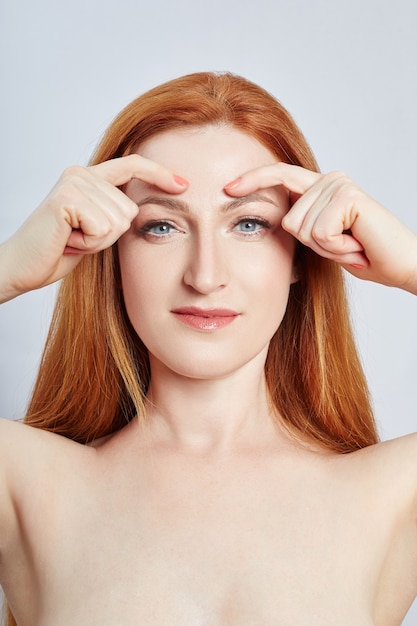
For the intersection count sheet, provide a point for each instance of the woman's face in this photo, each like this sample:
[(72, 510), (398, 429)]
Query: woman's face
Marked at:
[(206, 276)]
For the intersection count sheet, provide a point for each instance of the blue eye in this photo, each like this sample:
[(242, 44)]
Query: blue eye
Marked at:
[(250, 225), (158, 229)]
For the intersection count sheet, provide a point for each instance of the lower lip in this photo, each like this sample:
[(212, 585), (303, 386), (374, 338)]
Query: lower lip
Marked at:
[(204, 323)]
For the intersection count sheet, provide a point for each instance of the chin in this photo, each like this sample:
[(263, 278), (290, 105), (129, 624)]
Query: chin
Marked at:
[(201, 370), (209, 368)]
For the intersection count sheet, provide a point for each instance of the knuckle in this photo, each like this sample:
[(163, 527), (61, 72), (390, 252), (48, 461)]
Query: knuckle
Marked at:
[(68, 185), (320, 234), (100, 233), (135, 158), (336, 175), (130, 213), (62, 197), (73, 171), (304, 236), (340, 182), (125, 225), (138, 162)]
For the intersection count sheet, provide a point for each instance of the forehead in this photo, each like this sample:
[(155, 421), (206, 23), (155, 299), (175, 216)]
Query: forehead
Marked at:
[(218, 151)]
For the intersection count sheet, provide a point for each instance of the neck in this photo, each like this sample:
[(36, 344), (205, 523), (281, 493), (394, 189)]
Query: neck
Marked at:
[(211, 415)]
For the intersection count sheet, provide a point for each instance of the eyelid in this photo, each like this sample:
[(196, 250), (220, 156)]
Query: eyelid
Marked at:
[(253, 218), (146, 228)]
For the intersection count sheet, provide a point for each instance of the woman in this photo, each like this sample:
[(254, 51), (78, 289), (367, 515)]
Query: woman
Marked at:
[(201, 347)]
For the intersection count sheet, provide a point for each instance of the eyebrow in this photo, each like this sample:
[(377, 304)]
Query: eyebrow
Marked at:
[(177, 204)]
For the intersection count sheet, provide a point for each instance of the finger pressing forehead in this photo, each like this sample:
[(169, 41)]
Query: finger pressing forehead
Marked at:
[(124, 169), (292, 177)]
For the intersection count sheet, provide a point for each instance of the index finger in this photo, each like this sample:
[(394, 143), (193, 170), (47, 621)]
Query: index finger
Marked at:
[(121, 170), (293, 177)]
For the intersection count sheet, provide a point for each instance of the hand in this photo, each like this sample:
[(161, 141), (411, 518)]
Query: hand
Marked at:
[(337, 220), (84, 213)]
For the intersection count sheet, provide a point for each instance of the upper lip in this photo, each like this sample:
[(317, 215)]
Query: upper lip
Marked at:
[(194, 310)]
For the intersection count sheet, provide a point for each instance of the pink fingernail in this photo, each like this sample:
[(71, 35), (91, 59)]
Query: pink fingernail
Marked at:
[(358, 266), (233, 184), (181, 181)]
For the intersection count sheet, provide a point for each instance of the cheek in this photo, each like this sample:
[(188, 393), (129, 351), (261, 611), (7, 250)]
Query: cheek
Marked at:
[(272, 264), (147, 284), (271, 278), (134, 288), (141, 289)]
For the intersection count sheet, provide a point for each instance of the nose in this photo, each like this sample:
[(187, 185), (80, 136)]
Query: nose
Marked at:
[(206, 270)]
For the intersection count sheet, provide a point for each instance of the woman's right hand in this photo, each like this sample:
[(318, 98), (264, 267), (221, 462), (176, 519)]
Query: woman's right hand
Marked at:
[(84, 213)]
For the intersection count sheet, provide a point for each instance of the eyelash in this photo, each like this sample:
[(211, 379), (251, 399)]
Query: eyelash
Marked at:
[(264, 224), (146, 228), (252, 220)]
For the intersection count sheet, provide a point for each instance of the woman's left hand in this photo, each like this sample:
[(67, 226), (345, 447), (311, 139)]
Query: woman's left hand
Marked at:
[(336, 219)]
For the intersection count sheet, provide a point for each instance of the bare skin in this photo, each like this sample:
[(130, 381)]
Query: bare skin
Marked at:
[(212, 514), (266, 532)]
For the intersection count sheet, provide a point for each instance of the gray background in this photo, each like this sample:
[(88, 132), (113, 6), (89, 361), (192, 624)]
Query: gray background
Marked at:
[(345, 70)]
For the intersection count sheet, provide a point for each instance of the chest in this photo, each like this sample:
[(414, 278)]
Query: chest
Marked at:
[(232, 549)]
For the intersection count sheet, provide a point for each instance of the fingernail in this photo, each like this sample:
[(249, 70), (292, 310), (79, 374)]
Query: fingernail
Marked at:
[(358, 266), (233, 184), (181, 181)]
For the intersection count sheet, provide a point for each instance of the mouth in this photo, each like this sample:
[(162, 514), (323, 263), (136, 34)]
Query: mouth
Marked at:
[(205, 319)]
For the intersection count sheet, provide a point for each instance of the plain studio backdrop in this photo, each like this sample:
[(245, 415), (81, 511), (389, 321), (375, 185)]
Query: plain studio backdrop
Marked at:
[(346, 70)]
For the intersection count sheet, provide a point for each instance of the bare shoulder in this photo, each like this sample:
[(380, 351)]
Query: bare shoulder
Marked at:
[(31, 460), (399, 454), (23, 444), (395, 461), (382, 484), (392, 462)]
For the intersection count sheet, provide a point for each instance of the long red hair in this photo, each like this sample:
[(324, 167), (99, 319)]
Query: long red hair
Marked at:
[(94, 372)]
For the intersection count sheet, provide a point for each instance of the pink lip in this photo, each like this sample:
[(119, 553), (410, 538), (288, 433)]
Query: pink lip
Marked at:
[(205, 319)]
